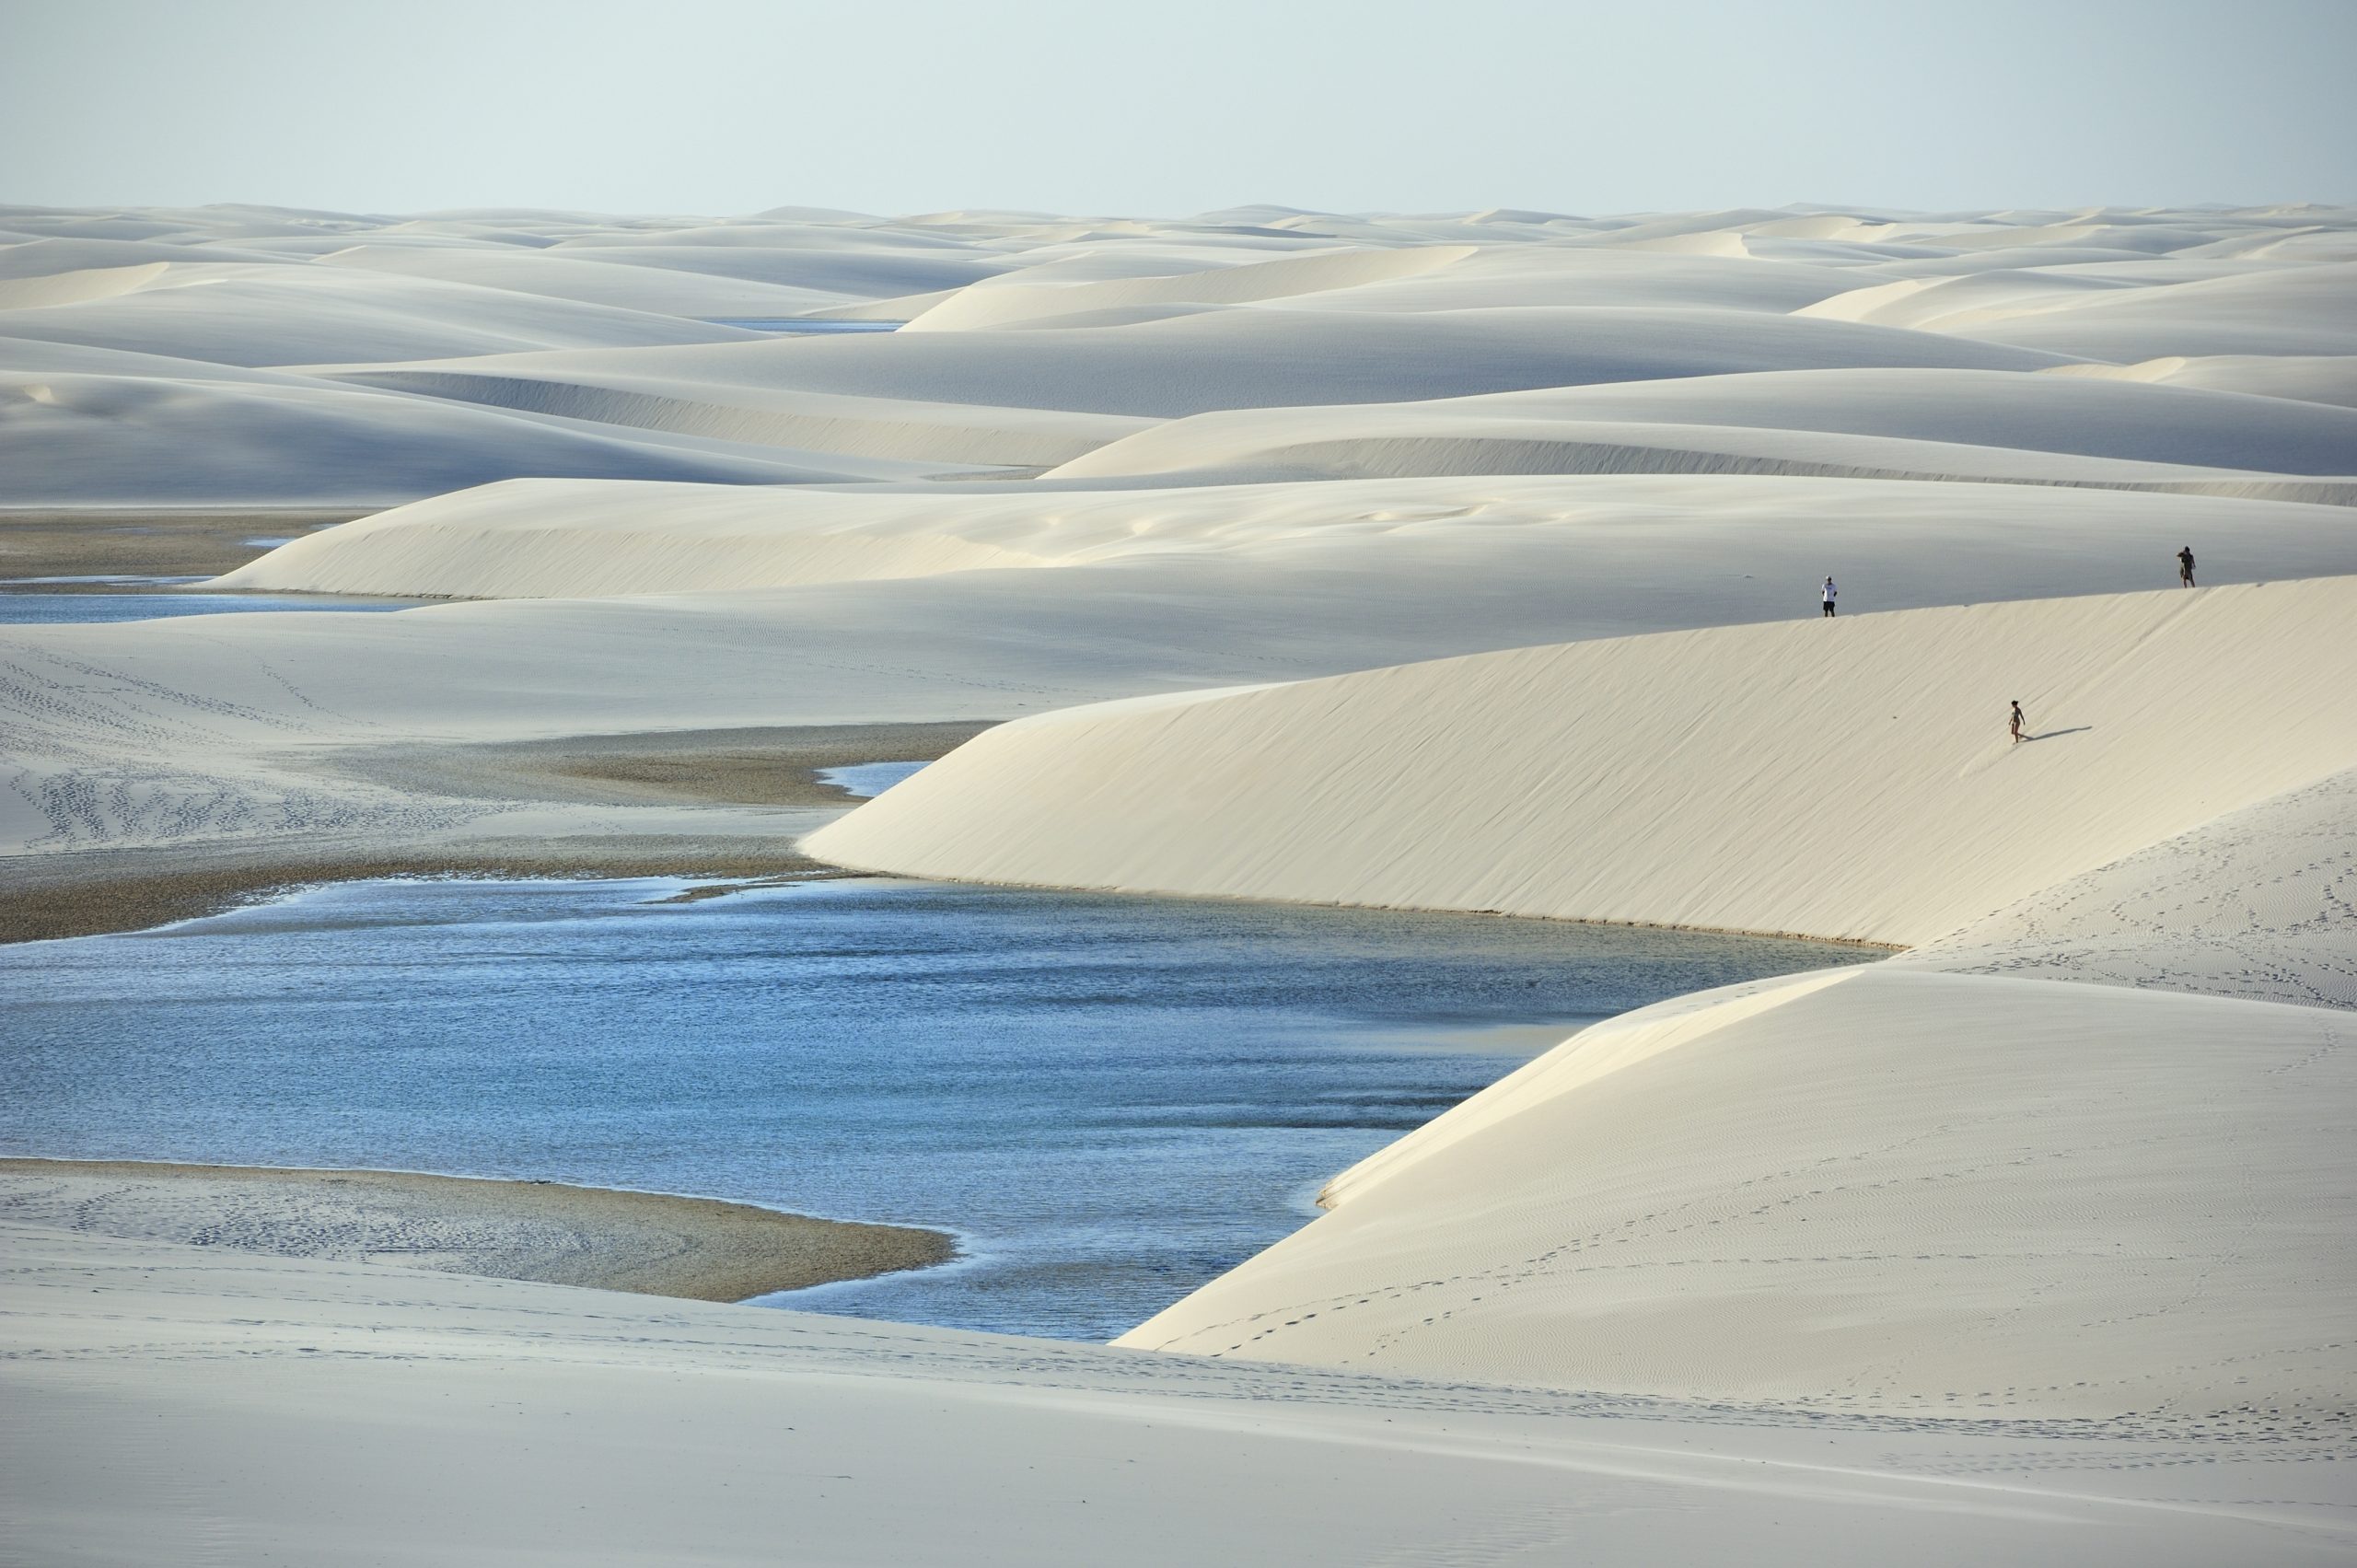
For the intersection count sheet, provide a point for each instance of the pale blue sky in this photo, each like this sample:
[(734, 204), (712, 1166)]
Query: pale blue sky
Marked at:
[(722, 106)]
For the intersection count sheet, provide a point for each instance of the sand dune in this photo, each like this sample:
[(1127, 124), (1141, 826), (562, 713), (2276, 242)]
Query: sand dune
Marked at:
[(816, 267), (584, 276), (2316, 378), (1436, 565), (75, 287), (2250, 904), (1158, 592), (1004, 304), (279, 315), (1952, 422), (1267, 358), (2306, 310), (1607, 785), (1883, 1190), (114, 440), (1499, 274), (729, 402)]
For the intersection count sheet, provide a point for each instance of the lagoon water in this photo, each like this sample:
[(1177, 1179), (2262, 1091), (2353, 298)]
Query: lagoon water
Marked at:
[(1109, 1100), (35, 608)]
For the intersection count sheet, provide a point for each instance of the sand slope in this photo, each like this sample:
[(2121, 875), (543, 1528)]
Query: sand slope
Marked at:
[(327, 1411), (2004, 417), (1425, 566), (1850, 779), (1877, 1190), (126, 440)]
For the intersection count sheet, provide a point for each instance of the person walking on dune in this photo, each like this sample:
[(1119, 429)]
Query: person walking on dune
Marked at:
[(1830, 592), (2015, 723), (2185, 565)]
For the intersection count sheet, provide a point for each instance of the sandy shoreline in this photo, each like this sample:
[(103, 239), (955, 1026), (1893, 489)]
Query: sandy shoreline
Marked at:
[(647, 1243), (88, 892), (742, 766)]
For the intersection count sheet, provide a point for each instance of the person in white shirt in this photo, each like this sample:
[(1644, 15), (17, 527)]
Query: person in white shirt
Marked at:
[(1830, 592)]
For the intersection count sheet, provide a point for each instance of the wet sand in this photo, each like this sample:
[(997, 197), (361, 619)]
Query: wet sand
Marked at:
[(762, 766), (133, 543), (648, 1243), (86, 892), (92, 892)]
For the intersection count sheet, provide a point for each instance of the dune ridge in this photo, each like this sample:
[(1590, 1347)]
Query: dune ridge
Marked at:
[(1604, 791)]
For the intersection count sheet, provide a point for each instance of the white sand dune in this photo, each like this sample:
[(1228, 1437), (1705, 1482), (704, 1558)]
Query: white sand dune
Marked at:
[(1433, 565), (1499, 274), (2250, 904), (730, 400), (2316, 378), (127, 441), (816, 267), (280, 315), (232, 727), (76, 287), (987, 306), (584, 276), (1876, 1190), (1264, 356), (1862, 423), (49, 258), (2306, 310), (1684, 779)]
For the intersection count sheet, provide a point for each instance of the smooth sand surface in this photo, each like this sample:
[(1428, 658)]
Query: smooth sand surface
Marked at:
[(1568, 551), (1893, 1192), (163, 1397), (1850, 779), (1454, 560), (647, 1242)]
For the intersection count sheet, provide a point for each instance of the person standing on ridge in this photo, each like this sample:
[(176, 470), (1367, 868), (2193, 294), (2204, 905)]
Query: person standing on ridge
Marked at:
[(2185, 565), (2015, 723), (1830, 592)]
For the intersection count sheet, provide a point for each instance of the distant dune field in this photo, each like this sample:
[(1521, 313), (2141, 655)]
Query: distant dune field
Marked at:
[(1463, 561)]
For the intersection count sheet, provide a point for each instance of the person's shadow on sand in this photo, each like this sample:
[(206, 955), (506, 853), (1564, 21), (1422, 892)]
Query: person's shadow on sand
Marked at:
[(2052, 734)]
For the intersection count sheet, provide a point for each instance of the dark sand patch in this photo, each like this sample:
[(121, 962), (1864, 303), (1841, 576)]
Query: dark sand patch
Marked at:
[(649, 1243), (764, 766), (151, 542), (88, 892)]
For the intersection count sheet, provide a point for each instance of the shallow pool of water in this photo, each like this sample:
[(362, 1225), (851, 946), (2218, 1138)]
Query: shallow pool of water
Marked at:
[(866, 781), (20, 608), (1110, 1100)]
